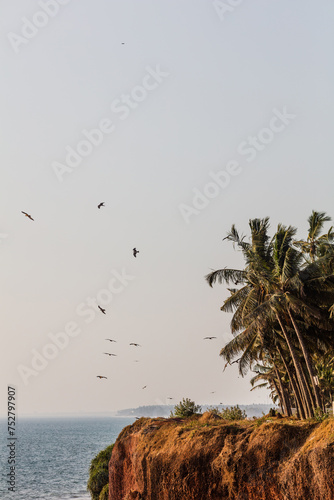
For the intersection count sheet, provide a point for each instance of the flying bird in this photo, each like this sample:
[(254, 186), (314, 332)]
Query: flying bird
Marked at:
[(136, 361), (135, 251), (170, 398), (27, 215), (209, 338), (109, 354), (111, 340), (100, 376), (212, 392), (136, 345), (100, 205), (102, 310), (228, 363), (144, 387)]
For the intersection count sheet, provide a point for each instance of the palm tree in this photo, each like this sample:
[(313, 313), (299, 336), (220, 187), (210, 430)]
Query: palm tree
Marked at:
[(314, 241), (280, 292), (325, 370)]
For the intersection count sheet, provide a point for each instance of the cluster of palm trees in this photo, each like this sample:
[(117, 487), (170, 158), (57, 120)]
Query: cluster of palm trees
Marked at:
[(283, 313)]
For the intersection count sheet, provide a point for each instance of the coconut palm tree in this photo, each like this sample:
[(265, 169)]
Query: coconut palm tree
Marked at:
[(280, 291), (316, 242)]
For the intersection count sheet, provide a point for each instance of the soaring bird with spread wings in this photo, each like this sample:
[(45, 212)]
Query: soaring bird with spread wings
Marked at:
[(100, 376), (102, 310), (135, 251), (109, 354), (101, 204), (136, 345), (27, 215)]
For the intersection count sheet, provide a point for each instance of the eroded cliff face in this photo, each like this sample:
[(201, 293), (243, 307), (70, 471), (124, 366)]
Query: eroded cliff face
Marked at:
[(210, 459)]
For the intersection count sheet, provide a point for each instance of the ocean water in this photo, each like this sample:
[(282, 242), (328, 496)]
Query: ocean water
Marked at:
[(53, 455)]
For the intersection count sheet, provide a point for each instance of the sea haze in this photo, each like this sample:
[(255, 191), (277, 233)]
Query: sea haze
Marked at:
[(53, 455)]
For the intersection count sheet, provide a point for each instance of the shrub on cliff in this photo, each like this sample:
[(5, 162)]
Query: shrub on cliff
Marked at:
[(185, 408), (214, 410), (104, 495), (320, 415), (98, 473), (233, 413)]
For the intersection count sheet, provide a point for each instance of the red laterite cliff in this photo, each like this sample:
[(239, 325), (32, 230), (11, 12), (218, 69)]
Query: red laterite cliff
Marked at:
[(206, 458)]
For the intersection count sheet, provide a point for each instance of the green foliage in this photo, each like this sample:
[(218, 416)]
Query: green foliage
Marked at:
[(104, 495), (233, 413), (99, 474), (320, 415), (259, 421), (213, 409), (185, 408)]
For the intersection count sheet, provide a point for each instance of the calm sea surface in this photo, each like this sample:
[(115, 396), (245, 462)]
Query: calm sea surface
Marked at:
[(53, 455)]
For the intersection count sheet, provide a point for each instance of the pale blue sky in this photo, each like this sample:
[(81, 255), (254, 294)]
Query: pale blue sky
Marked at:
[(225, 79)]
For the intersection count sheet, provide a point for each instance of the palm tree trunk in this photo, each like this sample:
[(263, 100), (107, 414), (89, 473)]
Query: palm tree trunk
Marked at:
[(277, 389), (299, 400), (283, 400), (294, 401), (308, 388), (293, 382), (308, 361), (286, 389), (308, 403), (301, 396)]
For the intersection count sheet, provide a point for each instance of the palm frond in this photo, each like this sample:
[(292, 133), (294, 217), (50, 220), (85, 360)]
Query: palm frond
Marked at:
[(226, 275)]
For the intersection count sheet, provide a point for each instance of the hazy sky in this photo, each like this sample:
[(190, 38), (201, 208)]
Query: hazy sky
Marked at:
[(183, 117)]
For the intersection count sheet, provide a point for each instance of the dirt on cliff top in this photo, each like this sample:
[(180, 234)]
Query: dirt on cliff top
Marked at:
[(208, 458)]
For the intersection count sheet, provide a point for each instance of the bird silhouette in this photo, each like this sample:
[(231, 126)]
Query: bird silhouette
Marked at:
[(209, 338), (144, 387), (102, 310), (228, 363), (212, 392), (111, 340), (109, 354), (170, 398), (136, 345), (100, 205), (27, 215), (100, 376), (135, 251)]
